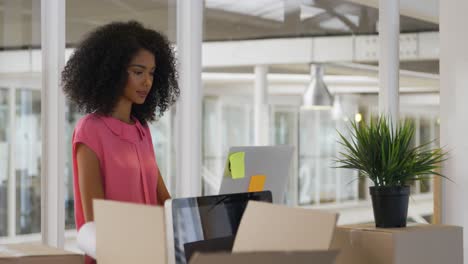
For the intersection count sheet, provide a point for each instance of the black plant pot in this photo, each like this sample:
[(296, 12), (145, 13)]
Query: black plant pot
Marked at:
[(390, 204)]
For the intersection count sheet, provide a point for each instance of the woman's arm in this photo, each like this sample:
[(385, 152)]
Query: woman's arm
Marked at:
[(89, 179), (161, 191)]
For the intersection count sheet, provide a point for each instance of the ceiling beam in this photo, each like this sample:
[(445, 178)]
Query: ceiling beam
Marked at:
[(427, 10), (361, 48)]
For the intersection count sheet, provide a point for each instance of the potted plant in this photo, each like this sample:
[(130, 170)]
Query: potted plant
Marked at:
[(384, 155)]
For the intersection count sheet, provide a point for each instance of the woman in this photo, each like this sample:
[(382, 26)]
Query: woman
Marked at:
[(120, 76)]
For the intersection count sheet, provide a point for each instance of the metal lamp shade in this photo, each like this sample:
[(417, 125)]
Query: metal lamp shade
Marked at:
[(317, 95)]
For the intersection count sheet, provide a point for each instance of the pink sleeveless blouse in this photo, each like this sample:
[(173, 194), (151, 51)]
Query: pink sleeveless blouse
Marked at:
[(126, 157)]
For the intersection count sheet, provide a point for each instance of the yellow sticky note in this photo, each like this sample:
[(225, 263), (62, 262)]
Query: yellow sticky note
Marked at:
[(237, 165), (257, 182)]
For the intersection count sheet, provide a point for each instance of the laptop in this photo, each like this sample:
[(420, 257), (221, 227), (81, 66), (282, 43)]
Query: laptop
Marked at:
[(268, 164), (205, 224), (222, 244)]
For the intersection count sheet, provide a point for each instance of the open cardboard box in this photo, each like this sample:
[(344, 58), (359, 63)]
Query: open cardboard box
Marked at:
[(421, 244), (130, 233), (36, 253), (270, 233)]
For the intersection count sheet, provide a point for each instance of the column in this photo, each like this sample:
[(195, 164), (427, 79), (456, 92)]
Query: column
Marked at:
[(453, 112), (189, 107)]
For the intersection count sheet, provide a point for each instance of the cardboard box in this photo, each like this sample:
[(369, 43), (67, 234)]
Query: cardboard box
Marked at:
[(421, 244), (129, 233), (307, 257), (271, 227), (35, 253), (270, 233), (132, 233)]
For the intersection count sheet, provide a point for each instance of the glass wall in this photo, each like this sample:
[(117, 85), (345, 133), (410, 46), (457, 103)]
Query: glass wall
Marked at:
[(4, 159), (284, 129), (319, 181), (27, 161), (162, 132), (20, 118), (72, 116), (227, 121), (230, 26)]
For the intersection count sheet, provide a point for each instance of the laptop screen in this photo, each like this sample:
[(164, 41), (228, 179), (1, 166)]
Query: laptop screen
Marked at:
[(209, 218)]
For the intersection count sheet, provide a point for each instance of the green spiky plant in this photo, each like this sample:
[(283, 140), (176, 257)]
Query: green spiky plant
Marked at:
[(385, 155)]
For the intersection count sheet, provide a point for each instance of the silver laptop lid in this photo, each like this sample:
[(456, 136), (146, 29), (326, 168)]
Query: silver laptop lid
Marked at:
[(273, 162)]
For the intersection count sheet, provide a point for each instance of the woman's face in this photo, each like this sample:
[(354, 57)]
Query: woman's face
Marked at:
[(140, 77)]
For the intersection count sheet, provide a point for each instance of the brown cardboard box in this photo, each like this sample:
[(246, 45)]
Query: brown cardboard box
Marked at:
[(306, 257), (129, 233), (35, 253), (421, 244), (270, 227), (276, 234)]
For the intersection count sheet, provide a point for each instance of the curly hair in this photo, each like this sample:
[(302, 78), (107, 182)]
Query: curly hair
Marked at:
[(95, 76)]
